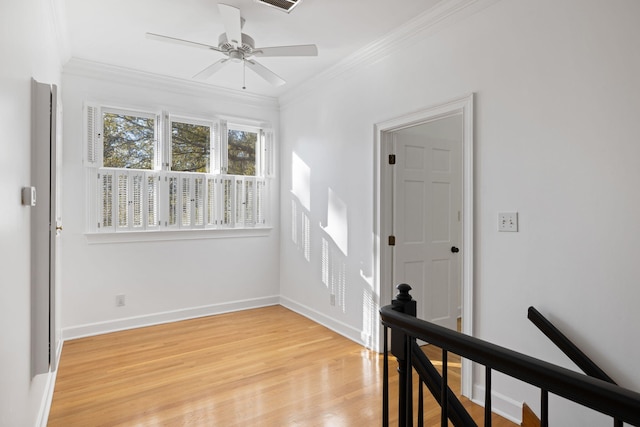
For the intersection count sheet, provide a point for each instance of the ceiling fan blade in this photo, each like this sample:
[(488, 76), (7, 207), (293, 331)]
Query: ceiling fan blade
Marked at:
[(232, 23), (265, 73), (168, 39), (211, 69), (299, 50)]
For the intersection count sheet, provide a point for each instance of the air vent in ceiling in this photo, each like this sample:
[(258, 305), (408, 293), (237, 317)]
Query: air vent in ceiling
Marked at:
[(286, 5)]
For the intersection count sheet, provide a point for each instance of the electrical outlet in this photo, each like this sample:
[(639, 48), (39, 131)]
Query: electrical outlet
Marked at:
[(120, 300), (332, 299), (508, 221)]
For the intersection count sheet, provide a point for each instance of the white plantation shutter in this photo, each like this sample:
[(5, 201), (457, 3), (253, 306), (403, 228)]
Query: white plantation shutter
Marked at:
[(122, 200), (152, 194), (161, 135), (106, 196), (198, 198), (266, 159), (186, 201), (261, 202), (249, 202), (223, 147), (172, 203), (213, 204), (215, 160), (92, 135), (239, 205), (227, 198), (136, 200)]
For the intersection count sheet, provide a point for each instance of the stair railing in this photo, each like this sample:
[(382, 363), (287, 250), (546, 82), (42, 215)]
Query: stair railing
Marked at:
[(620, 403), (572, 351)]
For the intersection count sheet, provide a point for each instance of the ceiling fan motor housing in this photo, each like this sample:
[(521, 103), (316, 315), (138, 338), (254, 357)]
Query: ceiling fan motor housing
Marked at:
[(244, 51)]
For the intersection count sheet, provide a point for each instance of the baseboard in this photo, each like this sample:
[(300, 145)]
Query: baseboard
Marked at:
[(500, 404), (165, 317), (47, 396), (336, 326), (529, 418)]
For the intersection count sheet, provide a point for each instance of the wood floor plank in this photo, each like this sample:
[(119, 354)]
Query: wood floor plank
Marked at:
[(262, 367)]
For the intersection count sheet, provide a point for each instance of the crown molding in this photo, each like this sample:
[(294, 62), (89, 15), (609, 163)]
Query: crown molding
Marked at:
[(126, 76), (444, 14)]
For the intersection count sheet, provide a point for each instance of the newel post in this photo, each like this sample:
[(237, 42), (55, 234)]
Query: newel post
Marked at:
[(401, 349)]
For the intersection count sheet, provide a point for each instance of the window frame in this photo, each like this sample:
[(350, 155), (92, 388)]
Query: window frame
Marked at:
[(214, 145), (157, 155), (219, 207)]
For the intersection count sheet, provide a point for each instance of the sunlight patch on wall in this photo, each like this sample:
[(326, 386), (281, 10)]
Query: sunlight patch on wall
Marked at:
[(301, 205), (337, 221), (294, 222), (300, 229), (301, 181), (369, 318), (334, 273)]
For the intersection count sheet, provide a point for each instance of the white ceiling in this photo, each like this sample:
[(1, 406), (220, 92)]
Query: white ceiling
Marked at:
[(113, 32)]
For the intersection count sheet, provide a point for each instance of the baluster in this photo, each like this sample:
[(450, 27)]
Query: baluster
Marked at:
[(487, 397), (409, 383), (444, 401), (385, 381), (544, 411), (401, 349), (420, 404)]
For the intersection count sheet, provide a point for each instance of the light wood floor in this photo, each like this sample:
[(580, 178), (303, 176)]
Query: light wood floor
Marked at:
[(262, 367)]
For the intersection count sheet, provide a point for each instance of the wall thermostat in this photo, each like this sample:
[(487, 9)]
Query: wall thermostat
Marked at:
[(29, 196)]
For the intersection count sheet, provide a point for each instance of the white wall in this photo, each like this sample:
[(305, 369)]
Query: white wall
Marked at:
[(29, 49), (162, 280), (557, 100)]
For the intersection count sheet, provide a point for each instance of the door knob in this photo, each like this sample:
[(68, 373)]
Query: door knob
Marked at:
[(454, 250)]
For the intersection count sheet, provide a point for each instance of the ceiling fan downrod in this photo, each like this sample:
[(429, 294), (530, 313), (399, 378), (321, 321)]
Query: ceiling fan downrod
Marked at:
[(244, 74)]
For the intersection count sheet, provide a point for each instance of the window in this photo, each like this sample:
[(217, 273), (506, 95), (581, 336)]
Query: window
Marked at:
[(190, 146), (162, 172), (242, 145), (129, 140)]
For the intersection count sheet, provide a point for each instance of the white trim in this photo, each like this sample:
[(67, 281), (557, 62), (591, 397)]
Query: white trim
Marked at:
[(133, 322), (47, 397), (175, 234), (383, 220), (444, 14), (129, 77), (500, 404), (336, 326)]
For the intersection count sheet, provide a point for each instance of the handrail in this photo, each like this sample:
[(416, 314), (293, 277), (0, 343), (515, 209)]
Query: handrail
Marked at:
[(576, 355), (432, 379), (593, 393)]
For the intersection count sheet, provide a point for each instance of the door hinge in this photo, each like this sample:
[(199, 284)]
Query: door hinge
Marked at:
[(392, 159), (392, 240)]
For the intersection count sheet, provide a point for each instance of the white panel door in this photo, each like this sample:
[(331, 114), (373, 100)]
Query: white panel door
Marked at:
[(427, 217)]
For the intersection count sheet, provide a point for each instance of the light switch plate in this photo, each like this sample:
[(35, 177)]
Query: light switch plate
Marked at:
[(29, 196), (508, 221)]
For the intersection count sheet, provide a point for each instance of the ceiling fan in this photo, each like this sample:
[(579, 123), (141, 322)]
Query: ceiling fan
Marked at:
[(240, 47)]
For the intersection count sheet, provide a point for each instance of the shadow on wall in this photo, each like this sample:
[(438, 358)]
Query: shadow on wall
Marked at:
[(334, 247)]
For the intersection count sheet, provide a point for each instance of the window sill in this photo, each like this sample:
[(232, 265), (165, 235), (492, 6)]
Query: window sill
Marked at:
[(94, 238)]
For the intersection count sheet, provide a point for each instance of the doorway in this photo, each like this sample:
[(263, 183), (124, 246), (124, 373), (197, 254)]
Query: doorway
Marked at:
[(420, 158), (427, 216), (46, 225)]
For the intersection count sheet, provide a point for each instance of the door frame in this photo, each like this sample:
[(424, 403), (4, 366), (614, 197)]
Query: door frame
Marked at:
[(383, 207), (45, 227)]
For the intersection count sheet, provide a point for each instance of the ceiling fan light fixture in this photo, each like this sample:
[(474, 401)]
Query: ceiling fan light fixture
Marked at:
[(285, 5), (236, 56)]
